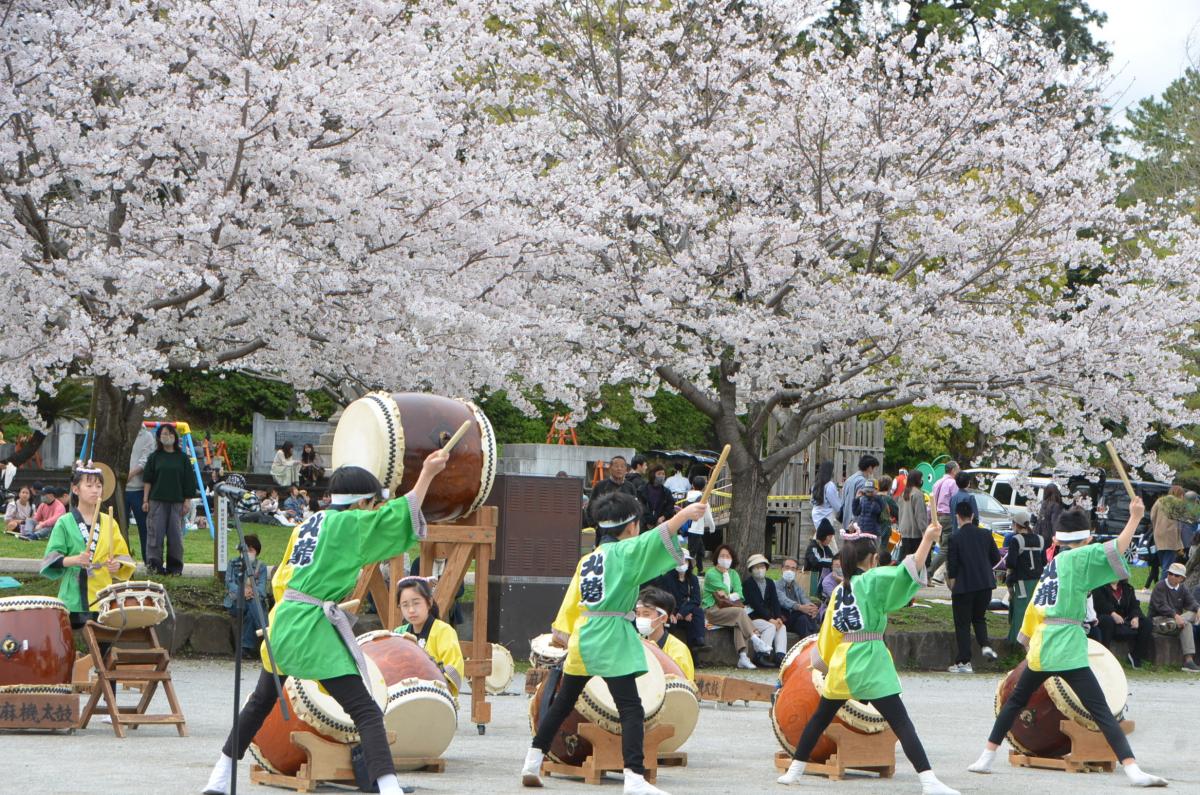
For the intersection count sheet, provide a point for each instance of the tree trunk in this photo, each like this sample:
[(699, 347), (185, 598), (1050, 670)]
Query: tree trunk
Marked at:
[(118, 416), (747, 528)]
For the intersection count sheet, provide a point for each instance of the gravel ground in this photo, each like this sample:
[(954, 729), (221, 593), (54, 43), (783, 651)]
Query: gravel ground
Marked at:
[(731, 751)]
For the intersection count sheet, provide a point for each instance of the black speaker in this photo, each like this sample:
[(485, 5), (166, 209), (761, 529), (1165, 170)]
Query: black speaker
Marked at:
[(521, 608)]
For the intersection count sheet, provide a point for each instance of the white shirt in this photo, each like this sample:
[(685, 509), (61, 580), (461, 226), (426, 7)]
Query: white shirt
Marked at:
[(678, 485), (833, 504), (707, 524), (143, 446)]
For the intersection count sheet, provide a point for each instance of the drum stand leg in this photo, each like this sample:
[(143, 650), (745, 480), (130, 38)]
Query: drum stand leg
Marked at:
[(1089, 751), (145, 662), (329, 761), (872, 753), (606, 754)]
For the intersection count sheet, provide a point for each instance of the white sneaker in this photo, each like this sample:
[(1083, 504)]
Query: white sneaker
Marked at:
[(531, 773), (744, 662), (960, 668), (760, 645), (989, 653), (636, 784), (794, 773)]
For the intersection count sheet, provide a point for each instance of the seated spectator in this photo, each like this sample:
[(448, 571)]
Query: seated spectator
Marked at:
[(724, 605), (684, 588), (18, 516), (654, 610), (251, 576), (831, 580), (312, 468), (294, 506), (250, 509), (1174, 611), (270, 502), (1121, 618), (285, 469), (765, 611), (818, 558), (46, 514), (799, 613)]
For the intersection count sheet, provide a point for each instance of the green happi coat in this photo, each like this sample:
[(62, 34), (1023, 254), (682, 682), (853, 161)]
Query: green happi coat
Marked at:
[(608, 580), (69, 538), (325, 555)]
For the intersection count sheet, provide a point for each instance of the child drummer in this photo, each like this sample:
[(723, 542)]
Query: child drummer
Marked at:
[(435, 636), (851, 651), (1053, 633), (86, 551), (310, 636), (598, 609)]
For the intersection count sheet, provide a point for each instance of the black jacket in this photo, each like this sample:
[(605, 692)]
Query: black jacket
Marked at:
[(972, 555), (764, 606), (1126, 605), (659, 502), (687, 593), (1028, 564), (818, 556), (608, 486)]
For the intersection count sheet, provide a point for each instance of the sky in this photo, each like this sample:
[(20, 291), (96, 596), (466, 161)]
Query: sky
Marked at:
[(1149, 40)]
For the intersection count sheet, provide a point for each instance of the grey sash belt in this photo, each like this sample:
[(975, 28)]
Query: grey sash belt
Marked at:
[(1057, 620), (860, 637), (341, 622), (630, 616)]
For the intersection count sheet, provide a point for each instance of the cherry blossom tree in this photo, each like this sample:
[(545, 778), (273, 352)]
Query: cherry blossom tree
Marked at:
[(215, 184), (719, 200)]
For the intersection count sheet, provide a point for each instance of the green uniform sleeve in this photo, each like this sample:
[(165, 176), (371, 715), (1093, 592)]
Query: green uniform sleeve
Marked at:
[(886, 588), (650, 554), (1099, 564), (57, 548), (389, 531)]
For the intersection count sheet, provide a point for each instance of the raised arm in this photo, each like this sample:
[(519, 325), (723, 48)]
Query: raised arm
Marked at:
[(1137, 509), (434, 464)]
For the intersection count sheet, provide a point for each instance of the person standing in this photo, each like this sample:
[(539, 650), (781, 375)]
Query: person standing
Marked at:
[(169, 484), (143, 446), (1167, 536), (961, 481), (678, 484), (1048, 513), (618, 467), (696, 530), (660, 502), (637, 478), (1024, 558), (887, 520), (945, 488), (856, 483), (826, 498), (914, 515), (969, 565)]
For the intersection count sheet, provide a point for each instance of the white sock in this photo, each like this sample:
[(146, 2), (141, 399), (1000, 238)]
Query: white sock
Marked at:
[(930, 785), (389, 785), (794, 773), (1140, 778), (984, 763), (533, 758), (222, 772)]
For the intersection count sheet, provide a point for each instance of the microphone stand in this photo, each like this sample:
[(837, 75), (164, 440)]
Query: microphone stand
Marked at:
[(260, 614)]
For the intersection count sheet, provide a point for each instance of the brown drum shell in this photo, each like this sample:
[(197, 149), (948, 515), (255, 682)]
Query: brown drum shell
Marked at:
[(794, 703), (399, 658), (50, 655), (273, 742), (568, 746), (1036, 730), (429, 421)]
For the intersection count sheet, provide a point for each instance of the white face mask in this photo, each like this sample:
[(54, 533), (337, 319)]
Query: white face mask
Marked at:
[(759, 573), (724, 562), (644, 625), (788, 575), (682, 568)]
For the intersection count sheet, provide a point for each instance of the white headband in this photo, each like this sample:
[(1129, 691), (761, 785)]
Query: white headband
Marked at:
[(1073, 535), (619, 523), (661, 612), (350, 499)]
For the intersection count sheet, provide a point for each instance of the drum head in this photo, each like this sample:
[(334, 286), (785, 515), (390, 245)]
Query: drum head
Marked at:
[(502, 670), (370, 435), (319, 709), (1112, 681), (31, 603), (680, 710), (596, 703), (543, 653), (423, 716)]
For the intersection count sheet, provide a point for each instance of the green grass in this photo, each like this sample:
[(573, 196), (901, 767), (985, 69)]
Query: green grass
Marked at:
[(186, 593), (197, 545)]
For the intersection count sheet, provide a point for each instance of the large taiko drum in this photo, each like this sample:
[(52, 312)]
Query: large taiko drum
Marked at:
[(796, 701), (391, 434), (312, 710), (681, 702), (132, 605), (544, 654), (596, 705), (420, 710), (1036, 731), (36, 647), (503, 670)]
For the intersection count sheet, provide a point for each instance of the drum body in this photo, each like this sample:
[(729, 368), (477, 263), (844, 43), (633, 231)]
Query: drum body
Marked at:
[(36, 647), (132, 605), (544, 654), (796, 701), (390, 435), (421, 710), (1036, 730), (503, 670), (311, 710), (680, 710)]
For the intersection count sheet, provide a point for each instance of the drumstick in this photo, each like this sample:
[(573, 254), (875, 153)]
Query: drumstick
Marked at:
[(1112, 453), (716, 472), (459, 434)]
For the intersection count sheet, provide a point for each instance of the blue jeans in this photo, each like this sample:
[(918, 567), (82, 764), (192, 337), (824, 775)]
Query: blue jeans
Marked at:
[(133, 507), (250, 627), (1165, 559)]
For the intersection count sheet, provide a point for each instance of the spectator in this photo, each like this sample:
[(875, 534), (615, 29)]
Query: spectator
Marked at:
[(660, 502), (961, 481), (943, 490), (866, 473), (253, 573), (654, 610), (867, 509), (1048, 513), (678, 484), (1164, 518), (1174, 611), (45, 515), (312, 468), (143, 446), (914, 516), (637, 478), (799, 613), (285, 468), (827, 499), (684, 586), (169, 485), (1025, 559), (818, 558), (269, 502), (615, 481), (888, 517), (724, 605), (766, 614), (969, 565), (828, 583), (18, 516), (295, 505), (1121, 618), (695, 531)]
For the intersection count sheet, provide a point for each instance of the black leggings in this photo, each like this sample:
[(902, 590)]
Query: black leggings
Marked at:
[(348, 691), (893, 711), (1084, 683), (629, 705)]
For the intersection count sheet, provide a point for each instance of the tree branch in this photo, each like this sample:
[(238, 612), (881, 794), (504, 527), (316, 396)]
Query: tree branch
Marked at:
[(707, 406)]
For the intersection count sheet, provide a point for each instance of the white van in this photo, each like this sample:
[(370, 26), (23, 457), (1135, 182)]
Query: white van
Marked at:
[(1010, 488)]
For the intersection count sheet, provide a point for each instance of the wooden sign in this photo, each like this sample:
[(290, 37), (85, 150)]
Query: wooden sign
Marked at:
[(38, 711)]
